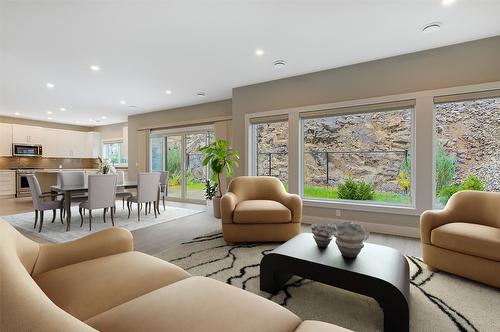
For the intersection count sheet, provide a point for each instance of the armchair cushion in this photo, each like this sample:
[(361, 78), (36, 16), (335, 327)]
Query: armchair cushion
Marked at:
[(472, 239), (197, 304), (88, 288), (261, 211)]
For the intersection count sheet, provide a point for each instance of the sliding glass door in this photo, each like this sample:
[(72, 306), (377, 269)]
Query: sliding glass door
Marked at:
[(177, 151)]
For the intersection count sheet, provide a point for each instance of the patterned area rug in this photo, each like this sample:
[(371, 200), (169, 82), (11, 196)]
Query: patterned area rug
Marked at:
[(438, 301), (56, 232)]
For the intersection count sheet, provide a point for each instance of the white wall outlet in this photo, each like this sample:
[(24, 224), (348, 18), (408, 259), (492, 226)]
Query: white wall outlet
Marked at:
[(338, 213)]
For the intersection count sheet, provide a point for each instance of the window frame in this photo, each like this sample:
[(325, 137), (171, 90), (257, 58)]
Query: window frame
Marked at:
[(104, 151), (357, 110)]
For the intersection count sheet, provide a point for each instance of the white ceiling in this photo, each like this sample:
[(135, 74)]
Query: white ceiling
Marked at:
[(146, 47)]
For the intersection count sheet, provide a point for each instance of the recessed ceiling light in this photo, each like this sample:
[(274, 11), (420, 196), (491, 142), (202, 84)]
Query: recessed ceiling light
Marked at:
[(201, 94), (49, 112), (50, 85), (132, 106), (259, 52), (103, 117), (447, 2), (279, 64), (168, 92), (123, 102), (431, 27), (91, 120), (17, 113), (49, 118), (62, 109), (95, 68)]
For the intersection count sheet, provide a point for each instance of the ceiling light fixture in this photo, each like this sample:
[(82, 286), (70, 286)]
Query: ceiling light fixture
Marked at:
[(201, 94), (95, 68), (17, 113), (123, 102), (62, 109), (259, 52), (279, 64), (50, 85), (49, 112), (447, 2), (103, 117), (132, 106), (168, 92), (49, 118), (431, 27)]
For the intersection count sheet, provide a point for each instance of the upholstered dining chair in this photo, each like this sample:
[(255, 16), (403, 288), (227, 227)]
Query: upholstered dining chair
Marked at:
[(40, 204), (147, 192), (72, 178), (102, 189), (163, 188), (120, 191)]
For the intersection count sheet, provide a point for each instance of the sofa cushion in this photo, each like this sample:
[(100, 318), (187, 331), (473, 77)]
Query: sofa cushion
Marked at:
[(316, 326), (197, 304), (261, 211), (472, 239), (91, 287)]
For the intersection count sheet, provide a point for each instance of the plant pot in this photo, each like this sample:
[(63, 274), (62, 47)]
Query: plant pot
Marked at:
[(210, 206), (216, 207)]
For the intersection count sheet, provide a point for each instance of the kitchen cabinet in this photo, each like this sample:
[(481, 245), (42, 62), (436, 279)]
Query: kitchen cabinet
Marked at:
[(7, 183), (27, 134), (5, 139)]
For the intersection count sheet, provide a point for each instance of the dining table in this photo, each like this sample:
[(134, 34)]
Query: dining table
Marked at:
[(68, 191)]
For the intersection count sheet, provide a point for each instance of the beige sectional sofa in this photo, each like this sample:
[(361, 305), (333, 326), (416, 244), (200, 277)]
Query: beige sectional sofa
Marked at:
[(98, 283)]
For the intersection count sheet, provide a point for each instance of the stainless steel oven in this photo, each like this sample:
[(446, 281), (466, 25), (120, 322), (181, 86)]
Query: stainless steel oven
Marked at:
[(26, 150), (22, 185)]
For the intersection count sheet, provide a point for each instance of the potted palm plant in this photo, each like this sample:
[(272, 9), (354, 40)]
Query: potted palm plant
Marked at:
[(221, 158)]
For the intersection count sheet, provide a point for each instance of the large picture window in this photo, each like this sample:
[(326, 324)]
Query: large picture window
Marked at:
[(467, 146), (270, 149), (114, 152), (359, 155)]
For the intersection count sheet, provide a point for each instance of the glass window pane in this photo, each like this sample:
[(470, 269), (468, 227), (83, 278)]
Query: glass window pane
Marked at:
[(196, 173), (157, 153), (271, 148), (174, 163), (359, 157), (467, 151)]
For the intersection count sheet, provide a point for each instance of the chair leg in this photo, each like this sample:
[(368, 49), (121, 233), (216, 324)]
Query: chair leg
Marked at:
[(36, 218), (164, 203), (90, 220), (104, 215), (53, 215), (139, 212), (128, 207), (149, 207), (41, 221), (154, 208), (146, 209), (61, 215), (81, 216), (113, 208)]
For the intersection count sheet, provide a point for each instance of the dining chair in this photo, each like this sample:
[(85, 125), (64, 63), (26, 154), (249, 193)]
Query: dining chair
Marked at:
[(72, 178), (147, 192), (163, 188), (120, 191), (40, 204), (102, 189)]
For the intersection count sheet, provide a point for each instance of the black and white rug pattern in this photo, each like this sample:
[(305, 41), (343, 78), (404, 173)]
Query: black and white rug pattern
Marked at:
[(438, 301)]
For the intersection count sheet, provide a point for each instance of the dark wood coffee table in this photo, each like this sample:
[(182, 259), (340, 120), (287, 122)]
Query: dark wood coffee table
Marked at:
[(379, 272)]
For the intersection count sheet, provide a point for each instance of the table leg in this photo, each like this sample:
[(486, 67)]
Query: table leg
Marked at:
[(271, 279), (67, 207), (396, 314)]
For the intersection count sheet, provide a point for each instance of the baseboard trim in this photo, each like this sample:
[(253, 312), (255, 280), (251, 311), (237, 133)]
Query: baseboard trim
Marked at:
[(371, 227)]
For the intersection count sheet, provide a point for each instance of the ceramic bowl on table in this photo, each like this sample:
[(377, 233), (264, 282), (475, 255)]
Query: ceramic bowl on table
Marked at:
[(349, 238), (322, 234)]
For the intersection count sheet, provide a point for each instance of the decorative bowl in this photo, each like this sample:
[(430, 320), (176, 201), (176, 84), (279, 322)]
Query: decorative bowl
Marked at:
[(350, 237), (322, 234)]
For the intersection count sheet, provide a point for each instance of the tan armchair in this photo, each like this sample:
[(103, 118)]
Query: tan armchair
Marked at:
[(258, 208), (464, 237)]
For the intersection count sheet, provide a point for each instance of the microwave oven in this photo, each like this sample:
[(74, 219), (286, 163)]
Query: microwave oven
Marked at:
[(26, 150)]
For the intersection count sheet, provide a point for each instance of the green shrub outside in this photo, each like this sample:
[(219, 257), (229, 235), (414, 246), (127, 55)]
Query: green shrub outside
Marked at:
[(472, 182), (445, 168), (353, 190)]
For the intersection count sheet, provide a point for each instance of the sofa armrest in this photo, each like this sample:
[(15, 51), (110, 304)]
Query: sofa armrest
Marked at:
[(430, 220), (227, 205), (107, 242), (294, 203)]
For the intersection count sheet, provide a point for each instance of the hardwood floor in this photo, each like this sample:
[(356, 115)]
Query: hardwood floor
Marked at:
[(155, 239)]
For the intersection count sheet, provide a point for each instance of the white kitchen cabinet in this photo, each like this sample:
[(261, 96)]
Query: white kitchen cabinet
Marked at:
[(93, 144), (7, 183), (27, 134), (5, 139)]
